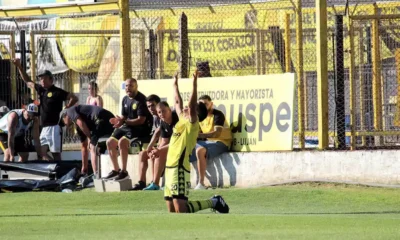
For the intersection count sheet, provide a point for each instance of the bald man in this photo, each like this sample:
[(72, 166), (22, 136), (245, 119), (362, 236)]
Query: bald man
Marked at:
[(135, 121)]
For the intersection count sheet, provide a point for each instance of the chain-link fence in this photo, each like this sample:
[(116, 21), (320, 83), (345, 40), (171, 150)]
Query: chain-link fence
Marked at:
[(236, 38)]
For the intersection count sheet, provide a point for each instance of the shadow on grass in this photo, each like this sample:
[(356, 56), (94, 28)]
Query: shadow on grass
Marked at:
[(65, 215)]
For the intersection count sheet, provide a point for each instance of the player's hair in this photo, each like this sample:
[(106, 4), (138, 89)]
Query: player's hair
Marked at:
[(205, 97), (94, 85), (163, 104), (153, 98)]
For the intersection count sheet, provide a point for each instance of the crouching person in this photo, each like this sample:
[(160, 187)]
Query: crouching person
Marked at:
[(158, 154), (13, 127), (92, 123)]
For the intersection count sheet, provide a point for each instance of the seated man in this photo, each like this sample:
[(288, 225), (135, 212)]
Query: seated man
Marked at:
[(219, 137), (151, 103), (136, 121), (13, 127), (92, 123), (159, 155)]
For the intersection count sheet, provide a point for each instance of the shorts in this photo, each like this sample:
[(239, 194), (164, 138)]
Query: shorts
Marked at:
[(177, 183), (214, 149), (102, 129), (130, 133), (51, 136), (21, 144)]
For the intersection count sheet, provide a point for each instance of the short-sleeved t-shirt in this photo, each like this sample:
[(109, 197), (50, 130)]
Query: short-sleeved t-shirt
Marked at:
[(89, 114), (132, 108), (167, 129), (217, 118), (156, 124), (51, 104)]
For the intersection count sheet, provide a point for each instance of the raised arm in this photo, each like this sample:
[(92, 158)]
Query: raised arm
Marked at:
[(193, 100), (24, 75), (82, 125), (177, 96), (12, 126)]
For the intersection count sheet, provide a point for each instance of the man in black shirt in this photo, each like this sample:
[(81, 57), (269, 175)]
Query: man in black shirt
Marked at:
[(158, 154), (51, 103), (92, 123), (136, 121)]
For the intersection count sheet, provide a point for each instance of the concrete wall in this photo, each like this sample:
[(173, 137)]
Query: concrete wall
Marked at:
[(380, 167)]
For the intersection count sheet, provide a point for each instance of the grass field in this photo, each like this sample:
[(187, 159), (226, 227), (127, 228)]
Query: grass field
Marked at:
[(303, 211)]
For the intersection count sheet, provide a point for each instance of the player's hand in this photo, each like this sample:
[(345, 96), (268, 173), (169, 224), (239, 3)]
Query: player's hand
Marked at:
[(119, 122), (195, 75), (16, 62), (155, 153)]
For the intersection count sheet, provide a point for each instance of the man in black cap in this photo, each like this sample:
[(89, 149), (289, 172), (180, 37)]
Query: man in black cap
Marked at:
[(92, 123), (51, 103)]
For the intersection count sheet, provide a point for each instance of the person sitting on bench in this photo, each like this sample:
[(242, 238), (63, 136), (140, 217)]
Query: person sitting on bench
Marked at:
[(92, 123), (159, 154), (136, 122), (13, 127)]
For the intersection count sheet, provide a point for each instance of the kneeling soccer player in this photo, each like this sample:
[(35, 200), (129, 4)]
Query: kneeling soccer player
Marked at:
[(183, 140)]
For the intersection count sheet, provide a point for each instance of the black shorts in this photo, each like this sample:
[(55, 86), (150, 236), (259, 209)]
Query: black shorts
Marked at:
[(20, 142), (102, 129), (131, 132)]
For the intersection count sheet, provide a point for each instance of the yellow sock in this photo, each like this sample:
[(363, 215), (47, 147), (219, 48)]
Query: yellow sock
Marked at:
[(195, 206)]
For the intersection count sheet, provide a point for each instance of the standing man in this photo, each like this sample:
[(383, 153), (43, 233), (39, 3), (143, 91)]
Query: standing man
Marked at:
[(136, 121), (93, 123), (51, 103), (144, 156), (183, 140), (13, 127), (215, 129)]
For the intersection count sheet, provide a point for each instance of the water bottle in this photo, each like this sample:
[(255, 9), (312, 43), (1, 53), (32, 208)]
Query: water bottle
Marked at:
[(67, 190)]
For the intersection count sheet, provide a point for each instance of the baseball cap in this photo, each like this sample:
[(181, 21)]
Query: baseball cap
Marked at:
[(45, 73), (62, 115), (33, 109), (201, 111)]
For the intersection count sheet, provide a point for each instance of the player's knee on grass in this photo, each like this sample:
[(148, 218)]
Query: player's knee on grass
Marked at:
[(180, 205)]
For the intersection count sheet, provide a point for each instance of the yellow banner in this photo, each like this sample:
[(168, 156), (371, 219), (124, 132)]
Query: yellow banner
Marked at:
[(259, 109), (82, 52)]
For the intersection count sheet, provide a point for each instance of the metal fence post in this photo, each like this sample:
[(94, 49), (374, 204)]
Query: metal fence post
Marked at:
[(322, 74), (376, 79), (339, 73), (183, 46), (300, 73), (125, 40)]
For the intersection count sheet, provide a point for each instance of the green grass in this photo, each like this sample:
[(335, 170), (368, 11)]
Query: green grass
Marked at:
[(304, 211)]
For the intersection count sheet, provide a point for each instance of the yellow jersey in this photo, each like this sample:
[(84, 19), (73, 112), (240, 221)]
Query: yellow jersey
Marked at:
[(217, 118), (182, 142)]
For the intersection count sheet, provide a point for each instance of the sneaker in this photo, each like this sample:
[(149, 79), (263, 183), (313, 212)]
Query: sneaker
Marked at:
[(219, 204), (200, 187), (139, 186), (112, 175), (122, 175), (152, 186)]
